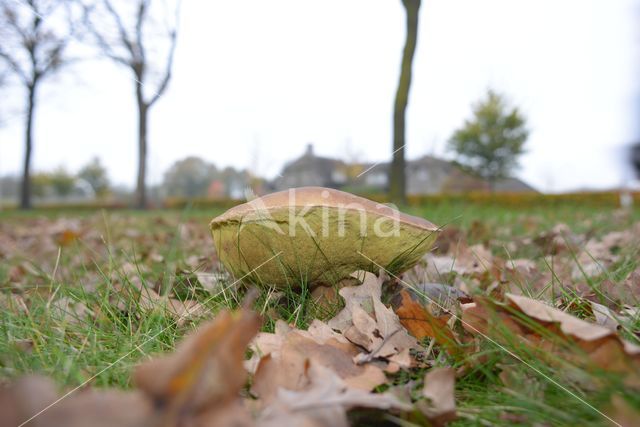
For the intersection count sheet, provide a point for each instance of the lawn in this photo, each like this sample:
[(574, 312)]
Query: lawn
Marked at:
[(88, 295)]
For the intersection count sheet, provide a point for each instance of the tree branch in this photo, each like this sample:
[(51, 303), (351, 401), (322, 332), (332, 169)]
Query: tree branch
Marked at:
[(15, 67), (167, 73), (124, 36), (173, 34), (140, 19), (103, 45)]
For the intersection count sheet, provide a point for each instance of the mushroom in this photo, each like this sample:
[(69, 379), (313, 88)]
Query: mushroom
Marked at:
[(316, 235)]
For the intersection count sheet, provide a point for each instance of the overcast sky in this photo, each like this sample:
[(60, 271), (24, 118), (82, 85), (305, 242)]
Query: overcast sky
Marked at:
[(255, 81)]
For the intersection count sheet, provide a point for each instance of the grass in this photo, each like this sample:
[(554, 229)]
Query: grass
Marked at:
[(71, 305)]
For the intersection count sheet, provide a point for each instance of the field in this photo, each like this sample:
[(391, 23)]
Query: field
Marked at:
[(87, 295)]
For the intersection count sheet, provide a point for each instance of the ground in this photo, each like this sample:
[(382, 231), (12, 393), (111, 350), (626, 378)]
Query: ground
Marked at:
[(81, 298)]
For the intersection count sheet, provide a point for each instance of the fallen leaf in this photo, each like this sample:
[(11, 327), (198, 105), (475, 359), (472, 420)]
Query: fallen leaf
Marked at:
[(324, 402), (67, 237), (558, 240), (234, 414), (184, 311), (325, 297), (474, 261), (145, 299), (197, 385), (266, 343), (622, 413), (70, 310), (36, 398), (286, 354), (361, 296), (367, 322), (24, 398), (425, 319), (212, 282), (206, 371), (102, 408), (448, 240), (604, 349), (604, 316), (439, 387), (569, 324)]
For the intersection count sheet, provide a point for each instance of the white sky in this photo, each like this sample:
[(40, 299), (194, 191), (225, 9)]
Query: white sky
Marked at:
[(255, 81)]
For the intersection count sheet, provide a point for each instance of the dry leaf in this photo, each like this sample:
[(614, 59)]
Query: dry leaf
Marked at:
[(266, 343), (70, 310), (622, 412), (439, 386), (234, 414), (197, 385), (67, 237), (366, 321), (24, 398), (603, 348), (146, 299), (211, 282), (35, 398), (569, 324), (206, 371), (287, 353), (604, 316), (425, 318), (323, 402), (102, 408), (558, 240), (184, 311), (357, 296)]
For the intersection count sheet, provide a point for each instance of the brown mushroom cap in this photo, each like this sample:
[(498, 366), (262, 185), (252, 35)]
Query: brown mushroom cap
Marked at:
[(317, 235)]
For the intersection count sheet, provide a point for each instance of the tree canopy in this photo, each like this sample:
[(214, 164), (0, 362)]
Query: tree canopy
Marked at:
[(189, 177), (95, 174), (490, 143)]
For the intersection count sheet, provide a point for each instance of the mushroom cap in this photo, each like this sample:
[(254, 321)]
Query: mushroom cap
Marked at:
[(317, 235)]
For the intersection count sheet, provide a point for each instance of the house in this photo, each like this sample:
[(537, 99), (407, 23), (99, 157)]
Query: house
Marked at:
[(310, 169), (425, 175), (512, 185), (429, 175)]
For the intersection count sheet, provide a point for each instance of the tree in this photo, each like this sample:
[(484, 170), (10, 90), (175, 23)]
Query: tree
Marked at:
[(95, 174), (34, 37), (3, 83), (134, 37), (490, 143), (41, 184), (59, 183), (397, 177), (62, 182), (189, 177)]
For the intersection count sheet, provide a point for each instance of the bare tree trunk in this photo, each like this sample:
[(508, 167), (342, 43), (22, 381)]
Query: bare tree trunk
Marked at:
[(25, 189), (141, 188), (397, 176)]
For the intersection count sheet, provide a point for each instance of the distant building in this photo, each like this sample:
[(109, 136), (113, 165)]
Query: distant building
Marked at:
[(310, 169), (216, 190), (426, 175), (429, 175), (512, 185)]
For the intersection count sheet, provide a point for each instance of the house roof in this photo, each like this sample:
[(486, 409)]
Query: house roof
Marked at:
[(323, 165), (458, 178), (513, 185)]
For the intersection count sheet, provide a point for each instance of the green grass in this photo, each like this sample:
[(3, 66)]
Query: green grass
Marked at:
[(108, 256)]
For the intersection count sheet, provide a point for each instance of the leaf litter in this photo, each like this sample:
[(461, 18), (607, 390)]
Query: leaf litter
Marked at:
[(460, 296)]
